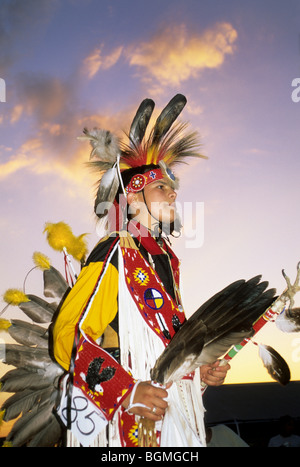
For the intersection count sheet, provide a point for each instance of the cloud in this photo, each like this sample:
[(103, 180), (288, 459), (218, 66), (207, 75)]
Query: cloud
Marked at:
[(43, 96), (96, 60), (25, 158), (51, 107), (174, 54)]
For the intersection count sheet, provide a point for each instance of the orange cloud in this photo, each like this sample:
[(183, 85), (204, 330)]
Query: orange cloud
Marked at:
[(175, 55), (21, 160), (96, 60)]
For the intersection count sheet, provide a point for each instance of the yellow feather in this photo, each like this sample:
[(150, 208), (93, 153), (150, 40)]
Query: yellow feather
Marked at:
[(15, 297), (77, 247), (4, 324), (60, 236), (41, 261)]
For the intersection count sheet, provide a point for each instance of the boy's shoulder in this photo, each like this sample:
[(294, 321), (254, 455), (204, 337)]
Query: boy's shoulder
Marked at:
[(104, 246)]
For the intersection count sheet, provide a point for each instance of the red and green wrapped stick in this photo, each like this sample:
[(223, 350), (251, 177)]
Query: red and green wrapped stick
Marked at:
[(269, 315)]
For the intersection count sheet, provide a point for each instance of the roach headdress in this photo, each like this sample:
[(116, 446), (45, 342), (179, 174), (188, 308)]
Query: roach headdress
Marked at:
[(129, 167)]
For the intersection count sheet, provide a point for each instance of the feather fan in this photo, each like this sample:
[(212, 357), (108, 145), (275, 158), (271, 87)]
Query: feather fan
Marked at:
[(217, 325)]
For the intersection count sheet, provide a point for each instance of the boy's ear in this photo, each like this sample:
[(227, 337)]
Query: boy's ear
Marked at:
[(132, 198)]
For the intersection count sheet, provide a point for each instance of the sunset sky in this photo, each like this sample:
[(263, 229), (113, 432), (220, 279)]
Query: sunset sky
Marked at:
[(68, 64)]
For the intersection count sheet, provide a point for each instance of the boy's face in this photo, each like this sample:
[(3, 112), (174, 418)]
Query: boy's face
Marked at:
[(160, 198)]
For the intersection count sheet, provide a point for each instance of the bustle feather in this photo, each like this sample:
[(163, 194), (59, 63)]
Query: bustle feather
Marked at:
[(34, 380)]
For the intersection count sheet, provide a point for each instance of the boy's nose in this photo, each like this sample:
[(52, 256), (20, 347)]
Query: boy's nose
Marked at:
[(173, 194)]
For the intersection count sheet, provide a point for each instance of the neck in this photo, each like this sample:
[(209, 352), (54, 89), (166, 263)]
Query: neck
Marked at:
[(144, 235)]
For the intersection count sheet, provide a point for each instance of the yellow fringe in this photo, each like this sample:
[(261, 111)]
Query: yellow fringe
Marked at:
[(15, 297)]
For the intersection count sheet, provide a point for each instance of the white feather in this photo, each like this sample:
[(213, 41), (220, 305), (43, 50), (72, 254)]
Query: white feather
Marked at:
[(105, 145), (107, 191)]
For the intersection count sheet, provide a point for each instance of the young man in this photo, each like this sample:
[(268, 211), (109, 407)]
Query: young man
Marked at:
[(125, 306)]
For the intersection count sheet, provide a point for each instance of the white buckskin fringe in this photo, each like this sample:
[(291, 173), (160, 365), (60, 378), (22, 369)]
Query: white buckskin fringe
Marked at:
[(183, 424)]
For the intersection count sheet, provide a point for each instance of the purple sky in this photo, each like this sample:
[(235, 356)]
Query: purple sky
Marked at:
[(75, 63)]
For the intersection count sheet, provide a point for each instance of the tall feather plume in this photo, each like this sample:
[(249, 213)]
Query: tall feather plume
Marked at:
[(167, 117), (140, 122), (174, 148), (275, 364)]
